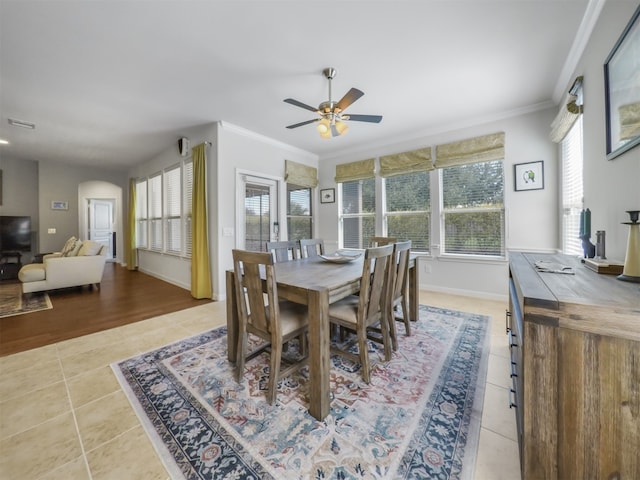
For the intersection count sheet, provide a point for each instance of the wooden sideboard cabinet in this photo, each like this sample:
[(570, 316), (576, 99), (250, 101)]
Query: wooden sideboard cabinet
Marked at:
[(575, 358)]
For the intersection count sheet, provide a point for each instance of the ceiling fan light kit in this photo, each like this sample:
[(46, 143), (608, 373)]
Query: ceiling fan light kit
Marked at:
[(331, 121)]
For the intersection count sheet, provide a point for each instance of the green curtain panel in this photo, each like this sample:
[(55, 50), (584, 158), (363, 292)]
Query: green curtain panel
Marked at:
[(406, 162), (131, 251), (472, 150), (200, 265), (300, 174), (360, 170)]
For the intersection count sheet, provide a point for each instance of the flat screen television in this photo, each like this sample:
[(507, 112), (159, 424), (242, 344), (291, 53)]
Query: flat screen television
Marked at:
[(15, 234)]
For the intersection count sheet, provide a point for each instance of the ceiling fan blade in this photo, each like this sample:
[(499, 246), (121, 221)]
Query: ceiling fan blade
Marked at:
[(296, 125), (364, 118), (350, 97), (300, 104)]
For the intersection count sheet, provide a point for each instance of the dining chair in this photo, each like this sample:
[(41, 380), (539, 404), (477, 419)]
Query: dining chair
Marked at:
[(262, 314), (362, 313), (381, 241), (284, 251), (311, 247), (399, 292)]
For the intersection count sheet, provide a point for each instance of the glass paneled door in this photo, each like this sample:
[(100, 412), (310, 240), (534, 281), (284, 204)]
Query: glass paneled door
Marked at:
[(260, 212)]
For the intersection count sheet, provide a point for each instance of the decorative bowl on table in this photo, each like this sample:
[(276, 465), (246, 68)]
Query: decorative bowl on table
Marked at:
[(342, 256)]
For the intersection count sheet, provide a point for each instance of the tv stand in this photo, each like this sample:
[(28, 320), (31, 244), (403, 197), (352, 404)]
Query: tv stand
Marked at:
[(10, 264)]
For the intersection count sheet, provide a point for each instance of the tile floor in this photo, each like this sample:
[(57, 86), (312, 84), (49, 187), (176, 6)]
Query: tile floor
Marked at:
[(63, 415)]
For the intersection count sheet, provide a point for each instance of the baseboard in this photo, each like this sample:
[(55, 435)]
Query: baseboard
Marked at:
[(466, 293)]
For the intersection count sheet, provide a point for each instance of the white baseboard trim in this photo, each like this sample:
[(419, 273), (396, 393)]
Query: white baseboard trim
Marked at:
[(165, 279), (465, 293)]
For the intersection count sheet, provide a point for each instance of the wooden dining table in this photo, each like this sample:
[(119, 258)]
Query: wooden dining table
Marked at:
[(317, 283)]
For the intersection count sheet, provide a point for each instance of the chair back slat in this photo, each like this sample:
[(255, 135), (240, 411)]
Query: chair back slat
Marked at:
[(256, 309), (382, 241), (283, 251), (400, 281), (311, 247), (376, 281)]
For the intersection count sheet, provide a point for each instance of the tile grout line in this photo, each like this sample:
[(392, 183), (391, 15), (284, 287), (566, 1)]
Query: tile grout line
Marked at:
[(73, 414)]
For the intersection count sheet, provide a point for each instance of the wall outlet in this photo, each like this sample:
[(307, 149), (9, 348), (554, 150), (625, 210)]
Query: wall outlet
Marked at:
[(51, 231), (227, 232), (427, 268)]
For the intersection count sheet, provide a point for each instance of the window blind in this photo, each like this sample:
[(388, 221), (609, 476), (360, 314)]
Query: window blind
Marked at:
[(155, 212), (406, 162), (472, 150), (360, 170), (572, 189), (300, 174), (187, 207), (173, 210), (299, 219), (141, 214)]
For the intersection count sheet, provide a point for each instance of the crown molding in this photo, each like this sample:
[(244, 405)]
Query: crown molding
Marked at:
[(591, 15)]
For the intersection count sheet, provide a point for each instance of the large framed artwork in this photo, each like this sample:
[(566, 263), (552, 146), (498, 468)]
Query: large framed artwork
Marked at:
[(622, 90)]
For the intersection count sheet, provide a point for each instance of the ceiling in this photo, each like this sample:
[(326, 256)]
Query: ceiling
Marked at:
[(114, 83)]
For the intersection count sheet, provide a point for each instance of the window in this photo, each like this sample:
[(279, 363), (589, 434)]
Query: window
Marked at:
[(299, 219), (187, 207), (163, 210), (407, 200), (572, 192), (141, 214), (173, 210), (358, 214), (473, 209), (155, 212)]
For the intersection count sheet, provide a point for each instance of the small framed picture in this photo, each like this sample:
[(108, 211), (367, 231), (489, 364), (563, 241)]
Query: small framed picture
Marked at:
[(529, 176), (58, 205), (328, 195)]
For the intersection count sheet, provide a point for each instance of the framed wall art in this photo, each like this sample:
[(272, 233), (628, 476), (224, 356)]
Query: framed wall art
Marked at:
[(529, 176), (328, 195), (622, 90), (59, 205)]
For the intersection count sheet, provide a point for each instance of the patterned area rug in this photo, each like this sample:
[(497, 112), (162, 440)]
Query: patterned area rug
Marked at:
[(419, 417), (13, 302)]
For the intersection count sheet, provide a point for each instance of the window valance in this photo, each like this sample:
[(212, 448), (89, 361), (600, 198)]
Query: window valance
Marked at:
[(300, 174), (473, 150), (406, 162), (569, 112), (360, 170)]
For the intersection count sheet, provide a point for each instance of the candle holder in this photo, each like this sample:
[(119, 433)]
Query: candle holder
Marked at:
[(631, 272)]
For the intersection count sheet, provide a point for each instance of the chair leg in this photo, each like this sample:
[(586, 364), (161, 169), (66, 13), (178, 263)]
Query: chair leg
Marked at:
[(241, 354), (386, 336), (274, 371), (405, 316), (364, 354), (391, 321)]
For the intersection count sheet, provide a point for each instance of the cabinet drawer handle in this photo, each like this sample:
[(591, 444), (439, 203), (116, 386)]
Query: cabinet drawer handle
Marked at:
[(514, 370), (512, 398), (506, 321)]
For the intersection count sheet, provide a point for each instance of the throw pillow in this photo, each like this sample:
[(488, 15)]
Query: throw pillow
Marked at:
[(89, 247), (68, 246), (75, 250)]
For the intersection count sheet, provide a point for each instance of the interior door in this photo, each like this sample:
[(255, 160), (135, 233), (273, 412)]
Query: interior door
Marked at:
[(101, 223), (259, 212)]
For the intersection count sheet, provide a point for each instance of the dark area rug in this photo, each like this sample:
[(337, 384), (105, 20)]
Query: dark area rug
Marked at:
[(14, 302)]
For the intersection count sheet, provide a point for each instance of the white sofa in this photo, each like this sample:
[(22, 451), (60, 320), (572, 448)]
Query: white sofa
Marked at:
[(58, 271)]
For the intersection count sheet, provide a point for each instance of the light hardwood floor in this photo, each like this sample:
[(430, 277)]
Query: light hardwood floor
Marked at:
[(64, 416)]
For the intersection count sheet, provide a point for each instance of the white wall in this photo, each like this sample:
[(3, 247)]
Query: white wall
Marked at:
[(61, 182), (610, 186), (172, 268), (239, 149), (531, 216), (20, 195)]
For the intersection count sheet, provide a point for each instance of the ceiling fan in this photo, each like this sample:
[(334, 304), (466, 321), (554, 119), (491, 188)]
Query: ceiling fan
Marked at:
[(331, 114)]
